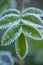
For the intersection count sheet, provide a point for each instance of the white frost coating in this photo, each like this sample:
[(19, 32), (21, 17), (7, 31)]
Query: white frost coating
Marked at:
[(41, 15), (11, 39), (30, 14), (6, 26), (10, 24), (33, 26), (32, 8), (35, 38), (26, 50), (9, 15), (9, 10), (7, 54)]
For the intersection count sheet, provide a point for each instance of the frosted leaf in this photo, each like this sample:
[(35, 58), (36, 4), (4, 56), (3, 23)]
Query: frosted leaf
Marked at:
[(7, 20), (6, 58), (31, 24), (10, 11), (32, 18), (33, 10), (21, 46), (32, 32), (11, 35)]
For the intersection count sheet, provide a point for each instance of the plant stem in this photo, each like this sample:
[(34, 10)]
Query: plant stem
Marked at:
[(21, 5), (18, 61)]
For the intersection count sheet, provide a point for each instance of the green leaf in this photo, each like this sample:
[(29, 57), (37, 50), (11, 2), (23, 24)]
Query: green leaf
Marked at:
[(33, 10), (31, 32), (11, 35), (10, 11), (39, 56), (21, 46), (34, 45), (31, 18), (7, 21)]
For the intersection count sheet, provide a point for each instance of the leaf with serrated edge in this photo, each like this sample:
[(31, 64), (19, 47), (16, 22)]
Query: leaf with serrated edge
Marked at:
[(33, 19), (7, 21), (11, 35), (21, 46), (33, 10), (32, 32), (31, 24), (10, 11)]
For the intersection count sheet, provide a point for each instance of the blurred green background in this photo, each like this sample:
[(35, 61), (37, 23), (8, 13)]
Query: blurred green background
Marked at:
[(6, 4)]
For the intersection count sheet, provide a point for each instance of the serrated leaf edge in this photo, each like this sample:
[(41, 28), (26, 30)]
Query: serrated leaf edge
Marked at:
[(25, 53), (30, 14), (35, 29), (9, 24), (33, 9), (5, 11), (20, 30), (31, 24)]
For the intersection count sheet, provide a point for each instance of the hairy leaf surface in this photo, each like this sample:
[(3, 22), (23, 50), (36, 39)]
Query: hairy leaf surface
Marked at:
[(10, 11), (33, 10), (7, 20), (11, 35), (32, 18), (21, 46), (31, 31)]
